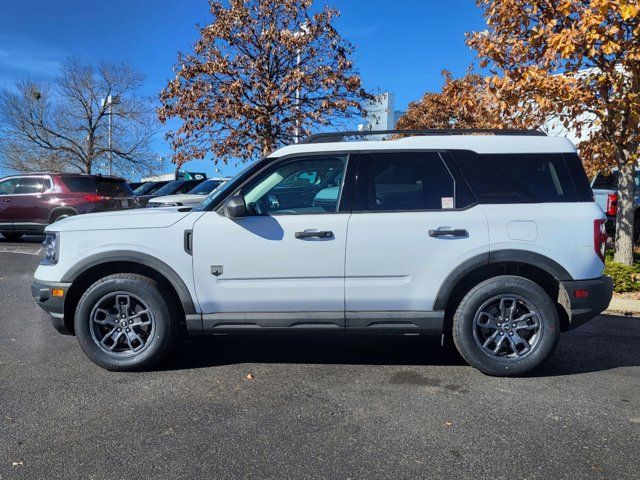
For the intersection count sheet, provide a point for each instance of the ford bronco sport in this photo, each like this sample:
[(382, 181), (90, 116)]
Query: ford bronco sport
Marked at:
[(491, 237)]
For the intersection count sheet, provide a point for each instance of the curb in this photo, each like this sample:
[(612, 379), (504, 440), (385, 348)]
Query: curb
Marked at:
[(623, 306)]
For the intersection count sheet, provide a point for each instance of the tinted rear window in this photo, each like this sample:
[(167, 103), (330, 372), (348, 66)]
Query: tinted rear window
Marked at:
[(524, 178), (103, 186), (404, 181)]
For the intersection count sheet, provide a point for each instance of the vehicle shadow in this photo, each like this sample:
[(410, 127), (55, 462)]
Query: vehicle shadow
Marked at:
[(25, 239), (605, 343), (200, 352)]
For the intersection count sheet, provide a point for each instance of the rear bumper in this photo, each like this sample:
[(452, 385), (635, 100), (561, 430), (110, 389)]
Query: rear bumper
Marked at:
[(54, 306), (581, 310)]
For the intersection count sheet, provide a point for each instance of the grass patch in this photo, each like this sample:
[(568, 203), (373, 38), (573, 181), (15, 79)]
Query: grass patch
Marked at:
[(625, 278)]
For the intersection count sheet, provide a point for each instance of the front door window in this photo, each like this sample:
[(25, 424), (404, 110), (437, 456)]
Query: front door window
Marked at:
[(301, 186)]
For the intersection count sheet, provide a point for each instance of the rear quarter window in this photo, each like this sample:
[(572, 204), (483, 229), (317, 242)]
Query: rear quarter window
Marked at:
[(523, 178)]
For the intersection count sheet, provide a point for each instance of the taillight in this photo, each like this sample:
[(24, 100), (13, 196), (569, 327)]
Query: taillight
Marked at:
[(612, 204), (600, 237), (91, 197)]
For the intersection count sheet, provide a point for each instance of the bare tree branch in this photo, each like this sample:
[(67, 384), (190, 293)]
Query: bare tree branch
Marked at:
[(64, 126)]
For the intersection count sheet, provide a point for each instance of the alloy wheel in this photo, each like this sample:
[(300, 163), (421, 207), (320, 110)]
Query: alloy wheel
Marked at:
[(122, 324), (507, 327)]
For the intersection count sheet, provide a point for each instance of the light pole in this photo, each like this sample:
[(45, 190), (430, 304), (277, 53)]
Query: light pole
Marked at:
[(109, 102), (304, 30)]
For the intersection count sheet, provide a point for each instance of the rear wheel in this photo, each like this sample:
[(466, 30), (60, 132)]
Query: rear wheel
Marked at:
[(124, 323), (506, 326), (13, 237)]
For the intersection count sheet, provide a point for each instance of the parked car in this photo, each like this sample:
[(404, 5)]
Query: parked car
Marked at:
[(30, 202), (175, 187), (493, 239), (189, 199), (149, 188), (605, 191)]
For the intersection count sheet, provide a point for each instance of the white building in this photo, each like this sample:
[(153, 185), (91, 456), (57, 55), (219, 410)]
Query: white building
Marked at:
[(380, 114)]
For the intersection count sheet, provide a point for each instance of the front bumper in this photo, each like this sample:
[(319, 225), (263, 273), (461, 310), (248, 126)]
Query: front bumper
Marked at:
[(581, 310), (42, 293)]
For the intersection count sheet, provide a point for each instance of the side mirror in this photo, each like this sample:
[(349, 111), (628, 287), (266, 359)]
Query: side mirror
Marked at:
[(235, 207)]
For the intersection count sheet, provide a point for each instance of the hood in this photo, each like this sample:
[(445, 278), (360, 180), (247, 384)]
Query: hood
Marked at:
[(184, 199), (121, 219)]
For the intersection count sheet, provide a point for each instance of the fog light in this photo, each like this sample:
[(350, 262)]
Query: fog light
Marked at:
[(581, 293), (57, 292)]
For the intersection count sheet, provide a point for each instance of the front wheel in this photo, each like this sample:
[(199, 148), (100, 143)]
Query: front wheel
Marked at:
[(506, 326), (124, 323)]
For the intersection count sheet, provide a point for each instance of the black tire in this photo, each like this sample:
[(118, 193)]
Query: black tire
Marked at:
[(469, 334), (62, 216), (162, 334), (13, 237)]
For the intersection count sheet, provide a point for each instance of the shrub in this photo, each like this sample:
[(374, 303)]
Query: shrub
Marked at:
[(625, 278)]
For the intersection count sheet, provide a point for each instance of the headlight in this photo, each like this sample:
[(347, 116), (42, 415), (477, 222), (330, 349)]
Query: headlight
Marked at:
[(50, 249)]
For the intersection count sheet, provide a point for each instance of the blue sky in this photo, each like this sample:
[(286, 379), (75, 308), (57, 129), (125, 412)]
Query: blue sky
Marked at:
[(401, 46)]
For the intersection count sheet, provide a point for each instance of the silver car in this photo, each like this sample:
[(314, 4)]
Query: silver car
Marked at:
[(189, 199)]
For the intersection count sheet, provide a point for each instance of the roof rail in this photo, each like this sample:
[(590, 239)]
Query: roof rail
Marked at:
[(340, 136)]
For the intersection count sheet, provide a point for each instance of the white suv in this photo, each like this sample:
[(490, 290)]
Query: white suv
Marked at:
[(492, 237)]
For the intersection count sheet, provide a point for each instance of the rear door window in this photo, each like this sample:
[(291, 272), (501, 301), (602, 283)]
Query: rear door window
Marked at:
[(518, 178), (404, 181), (30, 185)]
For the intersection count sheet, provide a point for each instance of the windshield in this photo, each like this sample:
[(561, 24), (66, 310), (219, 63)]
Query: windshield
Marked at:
[(227, 186), (149, 187), (205, 188), (170, 188)]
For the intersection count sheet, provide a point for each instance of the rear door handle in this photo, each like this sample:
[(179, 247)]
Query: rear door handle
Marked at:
[(448, 232), (314, 234)]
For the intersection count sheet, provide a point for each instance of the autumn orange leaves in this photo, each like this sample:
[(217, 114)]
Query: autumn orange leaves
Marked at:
[(262, 72)]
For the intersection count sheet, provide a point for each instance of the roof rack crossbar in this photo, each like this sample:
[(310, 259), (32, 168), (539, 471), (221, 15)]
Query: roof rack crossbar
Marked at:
[(340, 136)]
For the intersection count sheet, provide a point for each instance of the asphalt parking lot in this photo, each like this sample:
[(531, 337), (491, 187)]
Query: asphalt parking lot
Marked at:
[(312, 407)]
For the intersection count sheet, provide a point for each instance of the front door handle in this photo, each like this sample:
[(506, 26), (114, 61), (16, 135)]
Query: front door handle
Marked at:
[(448, 232), (314, 234)]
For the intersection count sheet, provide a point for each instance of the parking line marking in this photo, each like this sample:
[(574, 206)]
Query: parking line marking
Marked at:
[(20, 250)]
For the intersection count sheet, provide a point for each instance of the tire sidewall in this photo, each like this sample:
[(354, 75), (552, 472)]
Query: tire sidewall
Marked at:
[(156, 304), (506, 285)]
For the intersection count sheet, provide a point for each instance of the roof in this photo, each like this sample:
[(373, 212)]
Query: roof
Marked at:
[(475, 143), (65, 174)]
